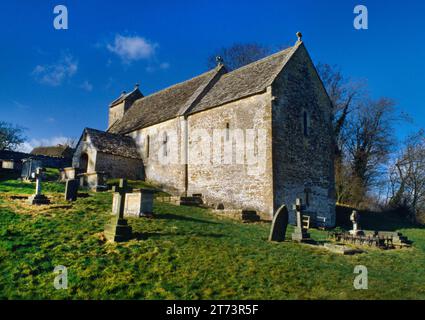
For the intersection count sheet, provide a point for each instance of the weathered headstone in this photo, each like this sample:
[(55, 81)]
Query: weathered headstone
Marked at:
[(29, 166), (340, 249), (118, 229), (139, 204), (300, 232), (279, 225), (68, 173), (38, 198), (250, 215), (71, 189)]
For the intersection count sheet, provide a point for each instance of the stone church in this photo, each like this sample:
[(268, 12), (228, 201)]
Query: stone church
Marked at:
[(278, 108)]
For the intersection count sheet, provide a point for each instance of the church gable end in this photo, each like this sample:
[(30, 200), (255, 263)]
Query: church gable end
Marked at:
[(302, 139)]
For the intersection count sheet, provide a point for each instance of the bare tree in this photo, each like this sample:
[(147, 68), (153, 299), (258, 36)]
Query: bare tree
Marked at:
[(408, 177), (71, 142), (369, 142), (10, 136), (239, 55), (343, 94)]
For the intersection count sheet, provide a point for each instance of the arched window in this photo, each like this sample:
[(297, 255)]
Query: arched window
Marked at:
[(164, 144), (148, 142), (305, 123)]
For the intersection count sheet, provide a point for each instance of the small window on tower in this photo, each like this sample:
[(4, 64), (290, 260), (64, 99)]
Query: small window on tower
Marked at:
[(307, 192), (227, 131), (305, 123), (164, 144), (148, 142)]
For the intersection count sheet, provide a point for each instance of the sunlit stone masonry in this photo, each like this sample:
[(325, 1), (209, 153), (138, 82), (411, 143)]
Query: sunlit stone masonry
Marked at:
[(254, 138)]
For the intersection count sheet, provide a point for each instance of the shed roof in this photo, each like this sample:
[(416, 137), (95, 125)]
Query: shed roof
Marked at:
[(110, 143)]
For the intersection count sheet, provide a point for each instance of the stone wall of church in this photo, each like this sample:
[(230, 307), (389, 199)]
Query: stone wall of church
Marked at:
[(303, 160), (162, 159), (119, 167), (240, 182)]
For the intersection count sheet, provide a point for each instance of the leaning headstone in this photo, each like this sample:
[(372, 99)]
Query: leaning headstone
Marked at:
[(118, 229), (116, 198), (279, 225), (71, 189), (38, 198), (300, 232), (139, 204)]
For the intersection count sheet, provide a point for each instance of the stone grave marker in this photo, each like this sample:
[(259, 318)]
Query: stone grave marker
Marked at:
[(38, 198), (115, 204), (355, 219), (29, 166), (139, 204), (118, 229), (71, 189), (344, 250), (300, 233), (279, 225), (250, 215)]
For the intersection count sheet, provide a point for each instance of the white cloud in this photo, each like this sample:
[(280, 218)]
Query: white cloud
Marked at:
[(164, 65), (21, 105), (87, 86), (55, 74), (155, 67), (50, 120), (132, 48), (31, 144)]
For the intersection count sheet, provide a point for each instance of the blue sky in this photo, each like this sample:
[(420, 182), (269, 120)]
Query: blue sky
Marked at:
[(56, 82)]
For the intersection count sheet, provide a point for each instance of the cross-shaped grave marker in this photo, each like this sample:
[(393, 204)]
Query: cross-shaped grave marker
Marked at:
[(300, 232), (38, 197), (118, 230)]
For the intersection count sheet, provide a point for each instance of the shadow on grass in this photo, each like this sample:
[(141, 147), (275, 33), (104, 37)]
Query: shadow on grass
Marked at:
[(83, 195), (155, 235), (170, 216), (17, 184)]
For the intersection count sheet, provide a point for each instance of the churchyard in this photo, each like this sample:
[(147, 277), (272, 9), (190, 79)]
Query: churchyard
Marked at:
[(185, 252)]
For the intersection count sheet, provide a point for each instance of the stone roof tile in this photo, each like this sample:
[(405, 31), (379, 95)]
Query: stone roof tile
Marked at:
[(163, 105), (208, 90), (114, 144)]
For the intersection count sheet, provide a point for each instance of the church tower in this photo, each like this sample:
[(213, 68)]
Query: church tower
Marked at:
[(119, 106)]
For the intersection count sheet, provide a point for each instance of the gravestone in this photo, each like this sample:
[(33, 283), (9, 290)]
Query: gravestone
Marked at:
[(29, 166), (279, 225), (38, 198), (71, 189), (355, 219), (139, 204), (300, 232), (118, 229), (340, 249), (68, 173), (250, 215)]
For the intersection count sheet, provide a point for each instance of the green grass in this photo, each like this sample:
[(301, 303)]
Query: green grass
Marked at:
[(138, 184), (184, 253)]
